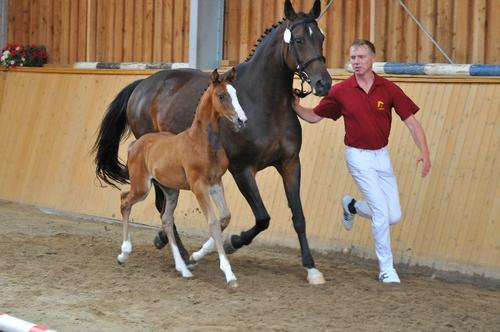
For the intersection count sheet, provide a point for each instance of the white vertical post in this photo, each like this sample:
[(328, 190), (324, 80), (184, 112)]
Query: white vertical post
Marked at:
[(206, 32), (373, 26), (4, 22)]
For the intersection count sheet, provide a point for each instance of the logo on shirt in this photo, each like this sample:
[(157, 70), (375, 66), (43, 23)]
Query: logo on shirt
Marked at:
[(380, 105)]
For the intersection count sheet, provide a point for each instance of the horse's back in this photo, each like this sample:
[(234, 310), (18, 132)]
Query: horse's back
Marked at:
[(166, 101)]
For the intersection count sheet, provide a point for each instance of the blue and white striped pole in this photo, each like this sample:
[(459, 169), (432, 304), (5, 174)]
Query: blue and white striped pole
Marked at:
[(400, 68)]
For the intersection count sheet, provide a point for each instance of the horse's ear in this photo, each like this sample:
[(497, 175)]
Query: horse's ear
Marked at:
[(214, 77), (290, 13), (231, 77), (316, 9)]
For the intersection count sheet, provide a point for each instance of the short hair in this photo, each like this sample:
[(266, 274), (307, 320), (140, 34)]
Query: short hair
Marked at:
[(364, 42)]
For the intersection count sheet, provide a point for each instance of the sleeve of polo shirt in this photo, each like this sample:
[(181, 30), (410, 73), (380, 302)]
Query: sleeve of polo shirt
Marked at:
[(329, 107), (403, 105)]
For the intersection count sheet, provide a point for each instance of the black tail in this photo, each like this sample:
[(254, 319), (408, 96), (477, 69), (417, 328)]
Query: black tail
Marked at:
[(113, 130)]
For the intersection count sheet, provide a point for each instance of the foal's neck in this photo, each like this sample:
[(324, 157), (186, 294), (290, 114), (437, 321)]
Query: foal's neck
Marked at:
[(205, 124)]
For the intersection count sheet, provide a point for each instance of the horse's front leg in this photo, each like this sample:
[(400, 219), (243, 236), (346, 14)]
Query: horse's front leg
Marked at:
[(245, 181), (161, 239), (203, 194), (290, 172), (217, 193)]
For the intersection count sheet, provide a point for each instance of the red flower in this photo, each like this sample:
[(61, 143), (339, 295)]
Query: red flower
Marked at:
[(13, 52)]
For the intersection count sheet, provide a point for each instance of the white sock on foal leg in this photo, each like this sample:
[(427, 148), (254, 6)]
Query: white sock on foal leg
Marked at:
[(205, 249), (179, 262), (126, 250), (225, 266)]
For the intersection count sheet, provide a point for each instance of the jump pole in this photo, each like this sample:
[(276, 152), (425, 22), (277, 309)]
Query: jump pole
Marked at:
[(13, 324), (399, 68)]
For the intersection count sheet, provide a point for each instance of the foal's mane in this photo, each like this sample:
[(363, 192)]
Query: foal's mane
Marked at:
[(266, 32)]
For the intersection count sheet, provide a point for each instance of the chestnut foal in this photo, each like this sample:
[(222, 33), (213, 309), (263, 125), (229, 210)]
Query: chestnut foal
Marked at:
[(194, 159)]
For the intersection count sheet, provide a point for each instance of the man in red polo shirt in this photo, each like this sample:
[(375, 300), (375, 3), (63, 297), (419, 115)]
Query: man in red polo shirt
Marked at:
[(365, 101)]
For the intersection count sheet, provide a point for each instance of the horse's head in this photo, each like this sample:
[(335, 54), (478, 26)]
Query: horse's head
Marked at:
[(304, 47), (224, 99)]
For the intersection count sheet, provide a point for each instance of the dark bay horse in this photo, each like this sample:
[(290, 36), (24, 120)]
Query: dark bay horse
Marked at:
[(194, 159), (167, 100)]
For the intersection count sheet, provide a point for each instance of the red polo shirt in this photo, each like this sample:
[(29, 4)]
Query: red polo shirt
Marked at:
[(367, 116)]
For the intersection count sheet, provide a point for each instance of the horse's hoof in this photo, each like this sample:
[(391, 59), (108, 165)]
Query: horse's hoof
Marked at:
[(120, 260), (314, 277), (228, 245), (191, 263), (232, 283), (160, 240), (187, 274)]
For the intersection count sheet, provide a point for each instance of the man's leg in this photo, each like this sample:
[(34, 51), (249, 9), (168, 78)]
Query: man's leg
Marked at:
[(362, 166)]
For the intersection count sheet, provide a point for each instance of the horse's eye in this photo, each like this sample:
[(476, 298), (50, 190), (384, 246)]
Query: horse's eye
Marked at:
[(299, 40), (222, 97)]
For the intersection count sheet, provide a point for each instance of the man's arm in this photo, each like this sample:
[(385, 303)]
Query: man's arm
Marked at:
[(417, 132), (305, 113)]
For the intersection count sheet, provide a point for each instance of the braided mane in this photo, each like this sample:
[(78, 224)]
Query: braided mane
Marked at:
[(266, 32)]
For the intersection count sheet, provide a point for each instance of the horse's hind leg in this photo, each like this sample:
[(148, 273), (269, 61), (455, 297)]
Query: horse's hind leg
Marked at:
[(201, 192), (248, 187), (167, 219), (138, 192), (161, 239), (290, 172)]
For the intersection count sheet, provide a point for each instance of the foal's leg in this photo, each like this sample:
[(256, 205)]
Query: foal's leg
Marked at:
[(167, 219), (217, 194), (290, 172), (202, 195), (248, 187), (138, 192), (161, 239)]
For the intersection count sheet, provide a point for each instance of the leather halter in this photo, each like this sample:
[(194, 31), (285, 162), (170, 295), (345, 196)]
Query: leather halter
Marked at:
[(301, 66)]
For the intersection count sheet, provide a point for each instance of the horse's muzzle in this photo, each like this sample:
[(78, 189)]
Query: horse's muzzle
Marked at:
[(240, 124), (322, 86)]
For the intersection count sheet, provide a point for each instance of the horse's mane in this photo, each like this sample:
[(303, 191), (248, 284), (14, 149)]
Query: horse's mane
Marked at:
[(201, 95), (266, 32)]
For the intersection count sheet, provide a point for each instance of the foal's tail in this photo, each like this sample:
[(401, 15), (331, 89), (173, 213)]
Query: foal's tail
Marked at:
[(112, 131)]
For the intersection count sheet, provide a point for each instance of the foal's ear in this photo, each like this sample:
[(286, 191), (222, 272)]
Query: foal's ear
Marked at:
[(214, 77), (290, 13), (231, 76), (316, 9)]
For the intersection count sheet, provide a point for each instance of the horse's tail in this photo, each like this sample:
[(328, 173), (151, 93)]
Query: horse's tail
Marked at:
[(112, 131)]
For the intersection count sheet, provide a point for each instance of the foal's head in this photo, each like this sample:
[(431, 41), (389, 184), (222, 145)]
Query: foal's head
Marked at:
[(224, 100)]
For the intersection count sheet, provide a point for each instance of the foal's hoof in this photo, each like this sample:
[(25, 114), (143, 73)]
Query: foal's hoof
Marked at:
[(228, 245), (232, 283), (191, 263), (121, 259), (160, 240)]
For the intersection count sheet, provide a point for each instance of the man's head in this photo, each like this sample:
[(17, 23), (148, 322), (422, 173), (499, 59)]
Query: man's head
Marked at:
[(362, 56)]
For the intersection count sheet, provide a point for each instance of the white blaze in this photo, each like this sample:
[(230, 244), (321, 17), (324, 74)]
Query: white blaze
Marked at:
[(236, 104)]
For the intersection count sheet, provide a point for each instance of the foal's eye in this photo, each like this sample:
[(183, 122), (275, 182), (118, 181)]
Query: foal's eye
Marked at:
[(222, 97)]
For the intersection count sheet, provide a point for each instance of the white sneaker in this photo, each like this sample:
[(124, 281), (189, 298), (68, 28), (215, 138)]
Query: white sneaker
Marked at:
[(389, 277), (347, 217)]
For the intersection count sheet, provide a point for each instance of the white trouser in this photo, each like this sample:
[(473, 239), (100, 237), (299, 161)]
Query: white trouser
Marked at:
[(372, 172)]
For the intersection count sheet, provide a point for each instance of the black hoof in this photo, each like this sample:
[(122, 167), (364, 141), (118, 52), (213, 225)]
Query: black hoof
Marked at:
[(228, 245), (160, 240)]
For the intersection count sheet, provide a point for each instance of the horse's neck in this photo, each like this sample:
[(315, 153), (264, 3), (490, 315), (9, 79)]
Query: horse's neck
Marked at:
[(205, 126), (267, 64)]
